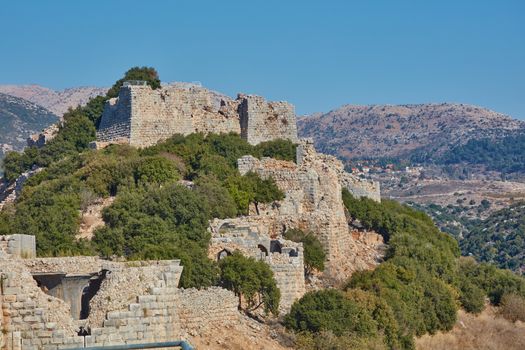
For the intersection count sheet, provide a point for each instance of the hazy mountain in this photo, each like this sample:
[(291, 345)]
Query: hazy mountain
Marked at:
[(19, 119), (55, 101), (404, 131)]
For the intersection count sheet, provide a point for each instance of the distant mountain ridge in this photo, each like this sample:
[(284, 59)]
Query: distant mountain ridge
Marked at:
[(19, 119), (403, 131), (55, 101)]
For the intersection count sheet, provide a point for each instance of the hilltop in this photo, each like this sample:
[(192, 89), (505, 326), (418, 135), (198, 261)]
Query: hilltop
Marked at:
[(227, 217), (56, 101), (413, 131)]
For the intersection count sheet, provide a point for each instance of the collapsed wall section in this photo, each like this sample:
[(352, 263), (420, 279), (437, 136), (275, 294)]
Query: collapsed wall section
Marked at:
[(154, 311), (252, 237)]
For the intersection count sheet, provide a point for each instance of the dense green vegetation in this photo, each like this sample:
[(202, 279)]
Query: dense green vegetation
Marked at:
[(153, 215), (499, 239), (77, 131), (506, 155), (251, 280), (417, 290), (314, 255)]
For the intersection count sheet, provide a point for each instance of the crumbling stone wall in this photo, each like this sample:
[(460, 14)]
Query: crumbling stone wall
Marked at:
[(145, 305), (262, 121), (40, 139), (10, 192), (252, 237), (18, 245), (142, 117), (313, 201)]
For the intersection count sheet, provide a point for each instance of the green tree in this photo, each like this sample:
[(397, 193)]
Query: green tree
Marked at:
[(330, 310), (314, 255), (252, 281), (147, 74), (156, 170)]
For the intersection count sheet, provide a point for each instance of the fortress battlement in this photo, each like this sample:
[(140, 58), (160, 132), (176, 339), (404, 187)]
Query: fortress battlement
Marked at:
[(141, 116)]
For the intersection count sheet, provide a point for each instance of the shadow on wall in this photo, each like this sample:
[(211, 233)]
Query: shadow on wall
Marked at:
[(76, 290)]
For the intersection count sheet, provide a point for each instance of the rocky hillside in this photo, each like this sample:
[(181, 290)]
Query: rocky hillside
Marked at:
[(19, 119), (404, 131), (55, 101)]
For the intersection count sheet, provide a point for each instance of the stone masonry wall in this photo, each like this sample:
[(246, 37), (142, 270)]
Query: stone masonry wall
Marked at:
[(18, 245), (156, 311), (313, 201), (263, 121), (115, 124), (252, 238), (142, 117)]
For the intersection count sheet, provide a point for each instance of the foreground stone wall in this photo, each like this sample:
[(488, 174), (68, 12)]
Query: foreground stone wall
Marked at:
[(142, 117), (138, 302)]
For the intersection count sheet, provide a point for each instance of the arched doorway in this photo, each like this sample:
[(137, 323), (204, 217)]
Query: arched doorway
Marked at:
[(263, 251), (275, 247), (222, 254)]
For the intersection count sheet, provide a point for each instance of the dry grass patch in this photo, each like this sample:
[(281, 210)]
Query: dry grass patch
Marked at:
[(486, 331)]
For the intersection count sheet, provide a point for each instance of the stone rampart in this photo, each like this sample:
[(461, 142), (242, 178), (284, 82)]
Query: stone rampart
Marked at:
[(138, 302), (142, 117), (263, 121)]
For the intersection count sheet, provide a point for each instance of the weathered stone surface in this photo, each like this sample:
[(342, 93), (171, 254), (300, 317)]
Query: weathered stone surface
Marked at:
[(138, 302), (313, 203), (142, 117), (252, 239), (18, 245)]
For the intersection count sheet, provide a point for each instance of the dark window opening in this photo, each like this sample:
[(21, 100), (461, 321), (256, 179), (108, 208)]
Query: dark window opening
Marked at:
[(222, 254), (264, 251), (275, 247)]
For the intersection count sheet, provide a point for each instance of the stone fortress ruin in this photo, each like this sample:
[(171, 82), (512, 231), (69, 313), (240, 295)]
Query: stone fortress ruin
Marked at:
[(51, 303), (141, 117), (71, 302)]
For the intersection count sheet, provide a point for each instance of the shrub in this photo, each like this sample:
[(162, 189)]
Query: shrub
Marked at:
[(513, 307), (250, 280), (314, 255), (330, 310), (472, 298)]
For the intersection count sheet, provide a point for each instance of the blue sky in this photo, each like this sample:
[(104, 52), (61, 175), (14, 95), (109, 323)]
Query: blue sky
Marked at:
[(317, 55)]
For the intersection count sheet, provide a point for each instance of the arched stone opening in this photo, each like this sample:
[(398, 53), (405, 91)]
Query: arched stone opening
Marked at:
[(275, 247), (293, 253), (264, 251), (222, 254)]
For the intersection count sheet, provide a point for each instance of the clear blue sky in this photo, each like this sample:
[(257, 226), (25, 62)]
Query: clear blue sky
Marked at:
[(314, 54)]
